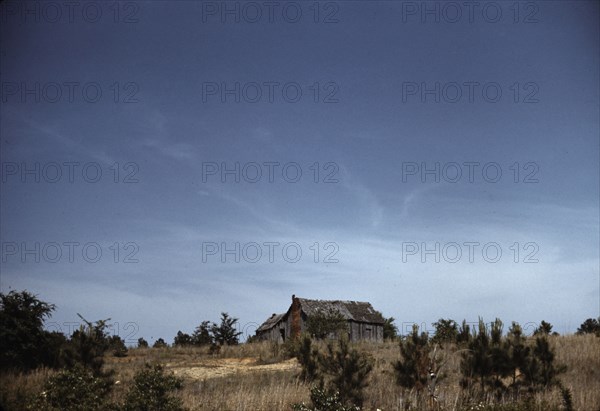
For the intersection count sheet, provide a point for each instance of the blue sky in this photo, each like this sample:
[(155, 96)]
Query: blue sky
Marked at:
[(161, 97)]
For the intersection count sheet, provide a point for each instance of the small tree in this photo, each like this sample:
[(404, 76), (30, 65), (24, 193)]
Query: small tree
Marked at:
[(202, 335), (308, 358), (445, 331), (226, 333), (484, 361), (88, 345), (323, 323), (160, 343), (142, 343), (390, 330), (518, 353), (53, 351), (463, 337), (348, 370), (540, 371), (22, 338), (543, 329), (589, 326), (152, 391), (117, 346), (182, 339), (415, 366)]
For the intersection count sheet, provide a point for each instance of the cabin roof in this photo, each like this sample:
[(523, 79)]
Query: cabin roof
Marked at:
[(357, 311), (270, 323), (351, 310)]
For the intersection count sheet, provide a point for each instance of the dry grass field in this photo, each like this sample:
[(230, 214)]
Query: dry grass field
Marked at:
[(259, 377)]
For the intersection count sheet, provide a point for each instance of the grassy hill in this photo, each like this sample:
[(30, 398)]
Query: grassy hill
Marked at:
[(260, 376)]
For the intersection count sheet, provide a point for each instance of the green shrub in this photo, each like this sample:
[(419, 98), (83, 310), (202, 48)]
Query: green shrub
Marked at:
[(445, 331), (413, 368), (324, 401), (152, 391), (160, 343), (23, 342), (117, 346), (544, 329), (390, 330), (540, 371), (73, 390), (463, 337), (348, 371), (494, 364), (325, 323), (589, 326), (308, 358), (182, 339), (88, 345), (226, 333), (486, 360), (203, 335)]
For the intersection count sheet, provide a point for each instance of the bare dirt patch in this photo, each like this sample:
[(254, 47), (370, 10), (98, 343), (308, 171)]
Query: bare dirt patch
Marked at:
[(223, 367)]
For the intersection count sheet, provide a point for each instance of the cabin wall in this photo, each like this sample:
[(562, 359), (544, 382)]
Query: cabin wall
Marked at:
[(356, 331), (274, 333), (365, 332), (295, 323)]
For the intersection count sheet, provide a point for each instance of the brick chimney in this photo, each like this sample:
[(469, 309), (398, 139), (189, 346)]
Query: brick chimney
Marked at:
[(295, 326)]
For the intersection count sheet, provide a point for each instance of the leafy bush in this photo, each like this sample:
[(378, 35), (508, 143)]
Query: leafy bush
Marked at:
[(23, 342), (589, 326), (73, 390), (182, 339), (152, 391), (117, 346), (326, 323), (160, 343), (142, 343), (88, 345), (390, 330), (445, 331), (324, 401)]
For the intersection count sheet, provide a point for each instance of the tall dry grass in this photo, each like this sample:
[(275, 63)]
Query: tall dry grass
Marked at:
[(265, 388), (20, 388)]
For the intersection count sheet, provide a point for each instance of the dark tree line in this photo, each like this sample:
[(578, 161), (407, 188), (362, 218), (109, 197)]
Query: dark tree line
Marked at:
[(213, 334), (491, 362), (25, 345)]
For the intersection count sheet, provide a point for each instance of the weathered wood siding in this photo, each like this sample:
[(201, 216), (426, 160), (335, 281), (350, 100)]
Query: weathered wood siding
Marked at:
[(274, 333), (362, 324), (365, 332)]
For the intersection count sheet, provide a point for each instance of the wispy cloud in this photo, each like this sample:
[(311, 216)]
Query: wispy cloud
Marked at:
[(70, 144), (365, 197), (160, 138)]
